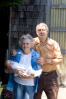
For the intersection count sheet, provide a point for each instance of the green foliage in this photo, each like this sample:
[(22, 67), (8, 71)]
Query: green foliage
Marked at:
[(4, 3)]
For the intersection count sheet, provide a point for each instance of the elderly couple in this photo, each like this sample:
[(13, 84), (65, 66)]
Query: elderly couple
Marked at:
[(34, 66)]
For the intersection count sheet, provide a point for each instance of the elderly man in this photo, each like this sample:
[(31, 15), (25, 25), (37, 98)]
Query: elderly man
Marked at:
[(50, 57)]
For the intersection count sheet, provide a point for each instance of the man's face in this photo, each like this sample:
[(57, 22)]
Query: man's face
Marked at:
[(42, 31)]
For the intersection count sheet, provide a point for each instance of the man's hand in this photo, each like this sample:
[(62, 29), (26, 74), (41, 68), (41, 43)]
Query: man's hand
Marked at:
[(41, 60), (13, 52)]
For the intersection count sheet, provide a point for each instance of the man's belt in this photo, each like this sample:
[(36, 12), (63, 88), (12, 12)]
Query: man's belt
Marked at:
[(46, 73)]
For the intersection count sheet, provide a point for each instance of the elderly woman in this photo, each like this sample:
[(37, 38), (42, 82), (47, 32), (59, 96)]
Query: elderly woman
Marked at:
[(26, 81)]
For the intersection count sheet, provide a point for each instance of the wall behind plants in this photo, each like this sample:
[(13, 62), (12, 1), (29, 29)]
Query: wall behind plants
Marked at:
[(25, 17)]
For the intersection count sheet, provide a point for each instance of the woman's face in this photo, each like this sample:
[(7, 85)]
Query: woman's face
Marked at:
[(26, 46)]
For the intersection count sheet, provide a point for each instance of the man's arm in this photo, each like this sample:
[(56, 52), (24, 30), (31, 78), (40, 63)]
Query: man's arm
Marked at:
[(53, 61), (57, 59)]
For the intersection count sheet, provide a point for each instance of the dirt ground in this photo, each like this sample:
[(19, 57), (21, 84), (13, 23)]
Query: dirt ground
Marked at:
[(61, 93)]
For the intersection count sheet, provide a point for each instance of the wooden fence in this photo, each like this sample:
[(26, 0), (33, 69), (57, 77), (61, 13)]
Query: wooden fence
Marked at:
[(58, 28)]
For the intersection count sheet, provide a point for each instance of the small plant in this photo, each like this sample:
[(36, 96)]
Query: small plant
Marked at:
[(4, 3)]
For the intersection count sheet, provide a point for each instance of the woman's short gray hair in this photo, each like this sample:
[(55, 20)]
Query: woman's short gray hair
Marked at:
[(26, 36)]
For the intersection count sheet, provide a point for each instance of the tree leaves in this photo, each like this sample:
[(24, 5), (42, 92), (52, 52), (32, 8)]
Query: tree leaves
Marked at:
[(4, 3)]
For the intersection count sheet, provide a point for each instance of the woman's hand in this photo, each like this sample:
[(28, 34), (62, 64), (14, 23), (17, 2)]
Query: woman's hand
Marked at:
[(27, 75)]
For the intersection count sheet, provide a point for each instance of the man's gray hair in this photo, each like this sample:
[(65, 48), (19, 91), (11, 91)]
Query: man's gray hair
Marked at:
[(26, 36)]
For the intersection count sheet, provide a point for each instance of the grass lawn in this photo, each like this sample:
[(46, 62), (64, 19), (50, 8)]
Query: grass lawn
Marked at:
[(1, 88)]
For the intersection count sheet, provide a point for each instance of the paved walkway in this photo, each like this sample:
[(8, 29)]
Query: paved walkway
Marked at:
[(61, 94)]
